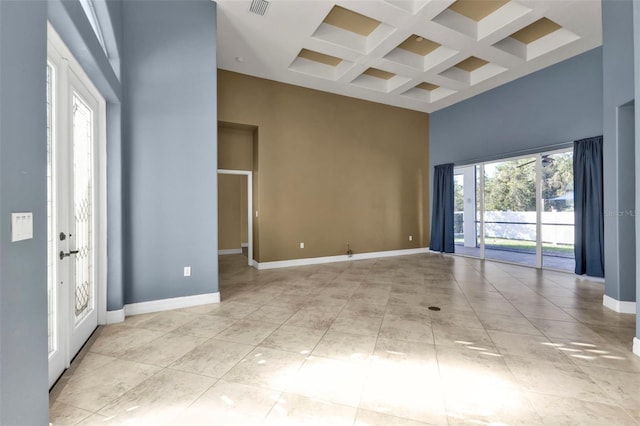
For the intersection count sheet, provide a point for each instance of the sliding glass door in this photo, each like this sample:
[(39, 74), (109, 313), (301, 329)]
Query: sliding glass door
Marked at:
[(557, 211), (510, 210), (517, 210)]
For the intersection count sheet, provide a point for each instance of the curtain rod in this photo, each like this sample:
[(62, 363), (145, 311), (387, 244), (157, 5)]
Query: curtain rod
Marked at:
[(515, 153)]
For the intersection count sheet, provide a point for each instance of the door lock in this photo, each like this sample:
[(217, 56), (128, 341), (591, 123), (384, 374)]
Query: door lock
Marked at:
[(63, 254), (63, 236)]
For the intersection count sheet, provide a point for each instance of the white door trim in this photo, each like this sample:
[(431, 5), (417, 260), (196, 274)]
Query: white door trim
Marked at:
[(249, 175)]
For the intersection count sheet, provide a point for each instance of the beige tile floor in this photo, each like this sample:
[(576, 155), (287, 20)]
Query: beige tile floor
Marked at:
[(355, 344)]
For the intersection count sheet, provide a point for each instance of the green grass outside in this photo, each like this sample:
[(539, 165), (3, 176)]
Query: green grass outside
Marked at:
[(523, 245)]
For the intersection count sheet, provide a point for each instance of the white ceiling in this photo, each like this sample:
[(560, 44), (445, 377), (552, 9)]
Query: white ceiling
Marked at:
[(268, 46)]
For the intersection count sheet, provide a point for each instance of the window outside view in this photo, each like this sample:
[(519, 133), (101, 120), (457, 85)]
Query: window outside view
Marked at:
[(503, 198)]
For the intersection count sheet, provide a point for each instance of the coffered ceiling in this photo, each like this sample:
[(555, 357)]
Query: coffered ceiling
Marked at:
[(418, 54)]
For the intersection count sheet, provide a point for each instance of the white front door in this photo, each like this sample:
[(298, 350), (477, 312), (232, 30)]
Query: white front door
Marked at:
[(75, 114)]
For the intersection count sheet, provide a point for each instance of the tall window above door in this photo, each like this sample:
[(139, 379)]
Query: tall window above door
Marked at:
[(90, 11)]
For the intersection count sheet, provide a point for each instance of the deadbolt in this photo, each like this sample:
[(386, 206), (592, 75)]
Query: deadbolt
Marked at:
[(62, 236)]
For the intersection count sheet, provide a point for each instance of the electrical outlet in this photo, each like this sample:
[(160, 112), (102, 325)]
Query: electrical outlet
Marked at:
[(410, 237), (301, 245), (187, 271)]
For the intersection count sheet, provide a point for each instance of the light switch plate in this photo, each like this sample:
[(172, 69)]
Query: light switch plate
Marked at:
[(21, 226)]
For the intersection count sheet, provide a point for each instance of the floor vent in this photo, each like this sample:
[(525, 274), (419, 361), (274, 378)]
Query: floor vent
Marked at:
[(259, 7)]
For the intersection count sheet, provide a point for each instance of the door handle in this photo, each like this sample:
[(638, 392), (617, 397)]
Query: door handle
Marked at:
[(63, 254)]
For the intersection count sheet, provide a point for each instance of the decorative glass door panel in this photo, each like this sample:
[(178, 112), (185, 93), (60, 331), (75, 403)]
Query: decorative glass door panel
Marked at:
[(78, 256), (83, 137)]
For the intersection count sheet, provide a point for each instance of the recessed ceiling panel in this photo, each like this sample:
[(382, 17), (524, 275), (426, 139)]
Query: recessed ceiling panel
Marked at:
[(429, 96), (319, 57), (477, 10), (419, 45), (351, 21), (379, 80), (374, 72), (471, 64), (427, 86), (536, 31)]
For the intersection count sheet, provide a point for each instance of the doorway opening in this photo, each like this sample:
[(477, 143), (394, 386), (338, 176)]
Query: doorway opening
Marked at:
[(235, 221), (237, 168)]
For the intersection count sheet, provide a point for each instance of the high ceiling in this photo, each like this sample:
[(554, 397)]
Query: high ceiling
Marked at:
[(417, 54)]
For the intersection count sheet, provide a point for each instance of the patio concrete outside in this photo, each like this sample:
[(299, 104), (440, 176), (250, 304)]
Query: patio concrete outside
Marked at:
[(521, 257)]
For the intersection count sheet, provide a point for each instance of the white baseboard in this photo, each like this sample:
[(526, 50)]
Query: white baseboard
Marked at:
[(619, 306), (167, 304), (229, 251), (243, 245), (115, 316), (341, 258), (636, 346)]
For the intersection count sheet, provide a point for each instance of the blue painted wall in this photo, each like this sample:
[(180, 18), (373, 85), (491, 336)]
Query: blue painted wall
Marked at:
[(619, 199), (557, 104), (170, 149), (110, 16), (23, 187), (115, 189)]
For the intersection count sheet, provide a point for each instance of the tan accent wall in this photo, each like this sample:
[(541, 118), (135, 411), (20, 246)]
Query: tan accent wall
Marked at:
[(235, 147), (229, 213), (330, 170)]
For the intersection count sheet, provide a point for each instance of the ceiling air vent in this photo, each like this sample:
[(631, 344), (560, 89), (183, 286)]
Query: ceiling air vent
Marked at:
[(259, 7)]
